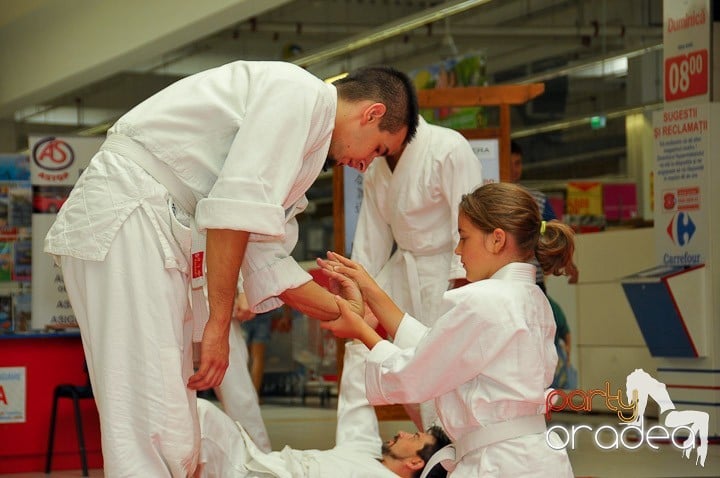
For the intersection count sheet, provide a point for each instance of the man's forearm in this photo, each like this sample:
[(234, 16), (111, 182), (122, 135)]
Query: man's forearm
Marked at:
[(313, 300), (225, 252)]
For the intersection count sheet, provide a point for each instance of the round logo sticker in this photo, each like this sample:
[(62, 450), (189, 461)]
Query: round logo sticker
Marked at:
[(669, 201), (53, 154)]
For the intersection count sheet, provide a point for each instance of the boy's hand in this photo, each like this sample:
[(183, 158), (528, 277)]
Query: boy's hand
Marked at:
[(349, 268), (343, 285), (241, 309), (349, 324)]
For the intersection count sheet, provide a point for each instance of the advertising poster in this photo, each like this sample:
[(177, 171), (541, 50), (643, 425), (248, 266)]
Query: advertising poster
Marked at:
[(488, 153), (12, 394), (686, 46), (22, 303), (620, 201), (15, 212), (50, 303), (56, 163), (466, 70), (14, 167), (59, 161), (7, 322), (682, 151), (22, 265), (585, 198)]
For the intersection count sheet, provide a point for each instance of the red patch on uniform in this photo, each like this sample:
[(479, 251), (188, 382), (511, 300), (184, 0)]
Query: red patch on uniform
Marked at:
[(197, 264)]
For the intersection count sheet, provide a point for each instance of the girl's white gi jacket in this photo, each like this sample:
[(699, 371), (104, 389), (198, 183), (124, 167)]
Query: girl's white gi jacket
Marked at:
[(489, 358)]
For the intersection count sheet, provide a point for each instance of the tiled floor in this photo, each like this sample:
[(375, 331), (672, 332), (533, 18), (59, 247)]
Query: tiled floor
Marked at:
[(314, 427)]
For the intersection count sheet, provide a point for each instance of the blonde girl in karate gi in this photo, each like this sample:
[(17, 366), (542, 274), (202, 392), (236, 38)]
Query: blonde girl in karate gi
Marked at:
[(490, 356)]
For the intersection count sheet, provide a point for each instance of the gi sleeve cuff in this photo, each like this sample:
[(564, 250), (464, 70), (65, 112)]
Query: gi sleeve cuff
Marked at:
[(255, 217), (409, 332), (373, 372), (263, 286)]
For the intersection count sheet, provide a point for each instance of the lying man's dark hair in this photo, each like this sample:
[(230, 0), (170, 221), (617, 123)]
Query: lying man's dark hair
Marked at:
[(426, 452)]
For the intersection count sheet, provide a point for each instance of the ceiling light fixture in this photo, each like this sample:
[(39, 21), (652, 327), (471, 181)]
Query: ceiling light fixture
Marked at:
[(332, 79)]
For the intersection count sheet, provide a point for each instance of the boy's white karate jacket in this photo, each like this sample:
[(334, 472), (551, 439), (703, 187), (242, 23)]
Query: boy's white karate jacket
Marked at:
[(416, 207), (247, 140)]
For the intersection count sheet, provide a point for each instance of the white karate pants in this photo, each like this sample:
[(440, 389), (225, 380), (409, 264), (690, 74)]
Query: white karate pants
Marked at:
[(237, 392), (136, 330)]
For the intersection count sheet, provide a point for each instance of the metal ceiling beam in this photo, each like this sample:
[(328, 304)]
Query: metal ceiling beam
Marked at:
[(568, 70), (583, 120), (388, 30), (619, 31)]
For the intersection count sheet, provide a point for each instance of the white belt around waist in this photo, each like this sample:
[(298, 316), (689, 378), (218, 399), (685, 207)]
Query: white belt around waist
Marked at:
[(183, 197), (131, 149), (497, 432), (413, 281), (412, 276), (450, 455)]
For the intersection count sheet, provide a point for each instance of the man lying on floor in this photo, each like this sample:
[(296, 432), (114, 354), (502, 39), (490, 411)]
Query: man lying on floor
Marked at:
[(227, 451)]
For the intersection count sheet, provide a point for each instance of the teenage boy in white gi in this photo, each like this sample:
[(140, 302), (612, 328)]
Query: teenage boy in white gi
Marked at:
[(411, 201), (227, 451), (229, 152)]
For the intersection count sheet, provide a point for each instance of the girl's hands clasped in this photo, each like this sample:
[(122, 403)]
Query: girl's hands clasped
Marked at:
[(349, 324), (348, 279), (348, 268), (341, 284)]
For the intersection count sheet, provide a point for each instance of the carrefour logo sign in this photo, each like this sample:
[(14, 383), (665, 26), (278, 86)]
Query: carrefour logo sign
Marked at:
[(681, 228)]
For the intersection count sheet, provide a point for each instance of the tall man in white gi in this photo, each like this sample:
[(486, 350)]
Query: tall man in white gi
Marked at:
[(227, 451), (411, 201), (230, 153)]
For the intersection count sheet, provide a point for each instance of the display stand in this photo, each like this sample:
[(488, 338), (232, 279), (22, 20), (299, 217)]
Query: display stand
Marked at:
[(669, 306), (493, 96)]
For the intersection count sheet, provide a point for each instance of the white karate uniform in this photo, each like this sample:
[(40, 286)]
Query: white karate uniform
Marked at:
[(247, 139), (416, 206), (228, 452), (488, 359), (237, 392)]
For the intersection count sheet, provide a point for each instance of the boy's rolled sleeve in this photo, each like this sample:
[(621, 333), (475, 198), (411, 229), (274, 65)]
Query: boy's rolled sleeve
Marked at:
[(266, 276), (240, 215)]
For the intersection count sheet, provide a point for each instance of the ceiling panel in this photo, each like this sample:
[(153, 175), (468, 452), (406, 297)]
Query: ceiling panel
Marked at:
[(518, 38)]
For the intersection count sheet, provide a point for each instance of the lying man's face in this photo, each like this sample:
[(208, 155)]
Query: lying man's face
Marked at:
[(406, 453), (406, 445)]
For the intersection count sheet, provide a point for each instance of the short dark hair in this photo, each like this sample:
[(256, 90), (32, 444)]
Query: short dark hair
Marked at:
[(515, 148), (386, 85), (426, 452)]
